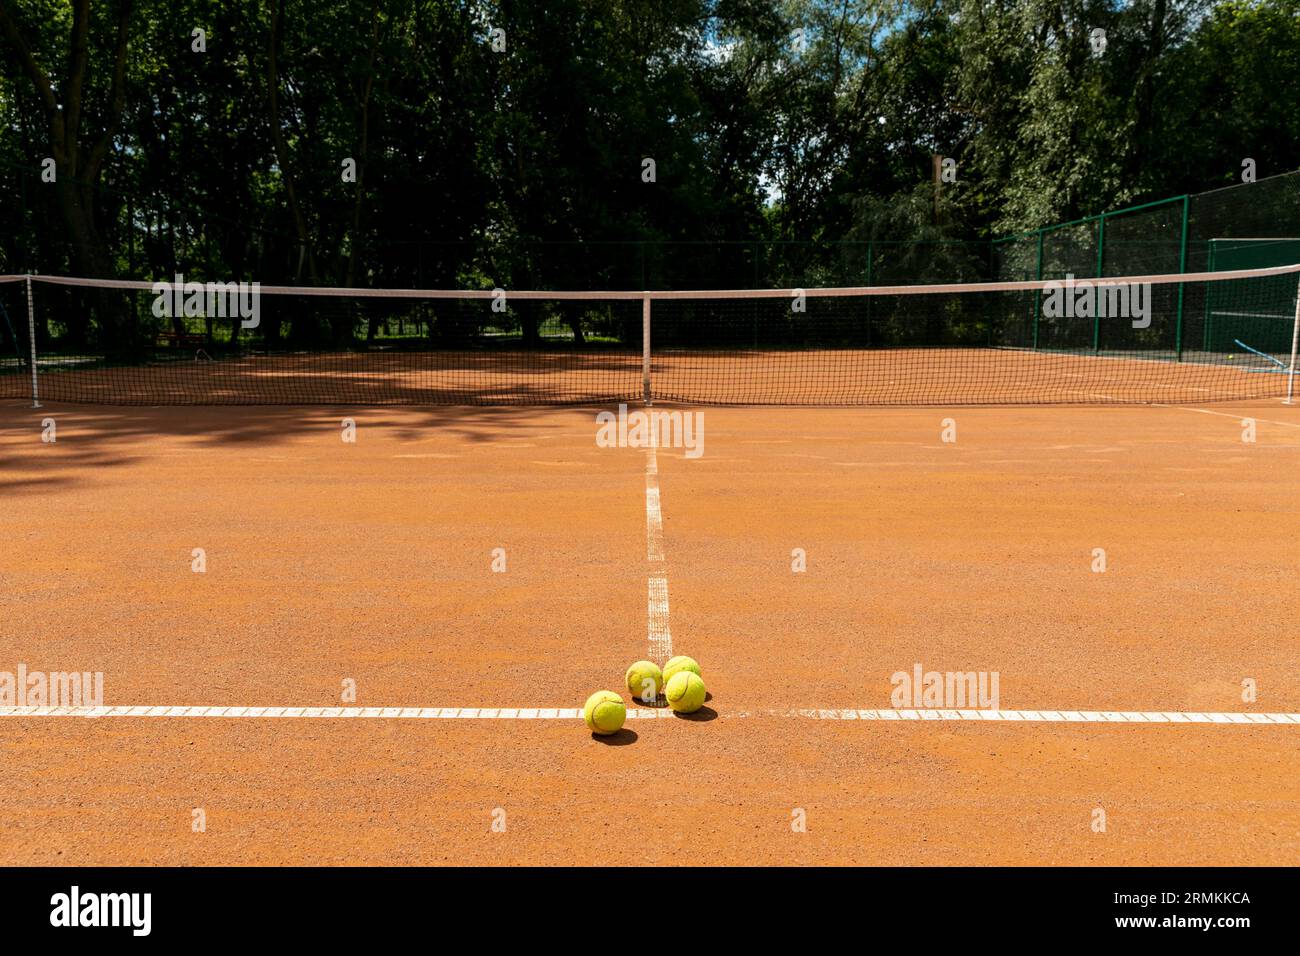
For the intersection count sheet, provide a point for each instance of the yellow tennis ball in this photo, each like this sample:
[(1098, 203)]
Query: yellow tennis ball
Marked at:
[(645, 680), (604, 712), (685, 692), (678, 664)]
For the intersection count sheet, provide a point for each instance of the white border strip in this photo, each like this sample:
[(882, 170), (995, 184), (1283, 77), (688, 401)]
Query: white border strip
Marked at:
[(573, 713)]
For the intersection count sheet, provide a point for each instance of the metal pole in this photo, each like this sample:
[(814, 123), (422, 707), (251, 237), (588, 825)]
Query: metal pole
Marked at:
[(31, 343), (1209, 267), (1295, 347), (871, 250), (1182, 267), (645, 349), (1096, 308), (1035, 305)]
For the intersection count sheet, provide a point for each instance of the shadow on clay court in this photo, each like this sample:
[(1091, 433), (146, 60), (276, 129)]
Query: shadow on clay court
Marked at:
[(702, 715), (619, 739), (94, 437)]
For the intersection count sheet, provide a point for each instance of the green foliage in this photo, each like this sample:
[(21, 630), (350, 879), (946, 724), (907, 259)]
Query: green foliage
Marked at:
[(523, 167)]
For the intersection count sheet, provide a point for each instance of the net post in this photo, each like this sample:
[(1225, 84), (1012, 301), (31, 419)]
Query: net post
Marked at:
[(645, 350), (1295, 347), (31, 343)]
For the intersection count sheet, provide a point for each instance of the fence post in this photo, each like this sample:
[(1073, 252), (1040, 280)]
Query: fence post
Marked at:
[(1182, 267), (1096, 306), (1295, 348), (1206, 335), (871, 248), (1035, 305), (31, 343)]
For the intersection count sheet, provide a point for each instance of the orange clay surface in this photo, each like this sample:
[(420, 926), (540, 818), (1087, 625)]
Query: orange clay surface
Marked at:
[(373, 562), (815, 377)]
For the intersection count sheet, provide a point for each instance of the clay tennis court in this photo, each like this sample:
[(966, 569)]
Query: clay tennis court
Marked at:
[(372, 562)]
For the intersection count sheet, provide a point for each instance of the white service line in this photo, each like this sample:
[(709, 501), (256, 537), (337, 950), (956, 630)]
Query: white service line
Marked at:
[(645, 713), (1238, 416)]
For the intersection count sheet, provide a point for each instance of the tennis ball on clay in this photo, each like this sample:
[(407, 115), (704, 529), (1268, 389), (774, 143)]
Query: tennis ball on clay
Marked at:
[(678, 664), (645, 680), (604, 712), (685, 692)]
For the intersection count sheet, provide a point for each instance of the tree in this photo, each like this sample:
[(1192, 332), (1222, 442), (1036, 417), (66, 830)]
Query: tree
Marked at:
[(80, 143)]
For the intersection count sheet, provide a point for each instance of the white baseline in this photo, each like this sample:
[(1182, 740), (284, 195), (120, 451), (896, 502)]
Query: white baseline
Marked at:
[(1238, 718)]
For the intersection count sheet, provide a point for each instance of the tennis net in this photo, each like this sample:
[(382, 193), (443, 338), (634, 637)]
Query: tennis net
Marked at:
[(1200, 337)]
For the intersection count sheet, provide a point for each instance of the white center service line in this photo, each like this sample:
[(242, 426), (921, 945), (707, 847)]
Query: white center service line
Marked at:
[(654, 521), (658, 632), (661, 638), (640, 713)]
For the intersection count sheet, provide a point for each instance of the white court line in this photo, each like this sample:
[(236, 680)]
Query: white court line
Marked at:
[(1239, 417), (641, 713), (654, 519), (1046, 716), (658, 633), (661, 638)]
